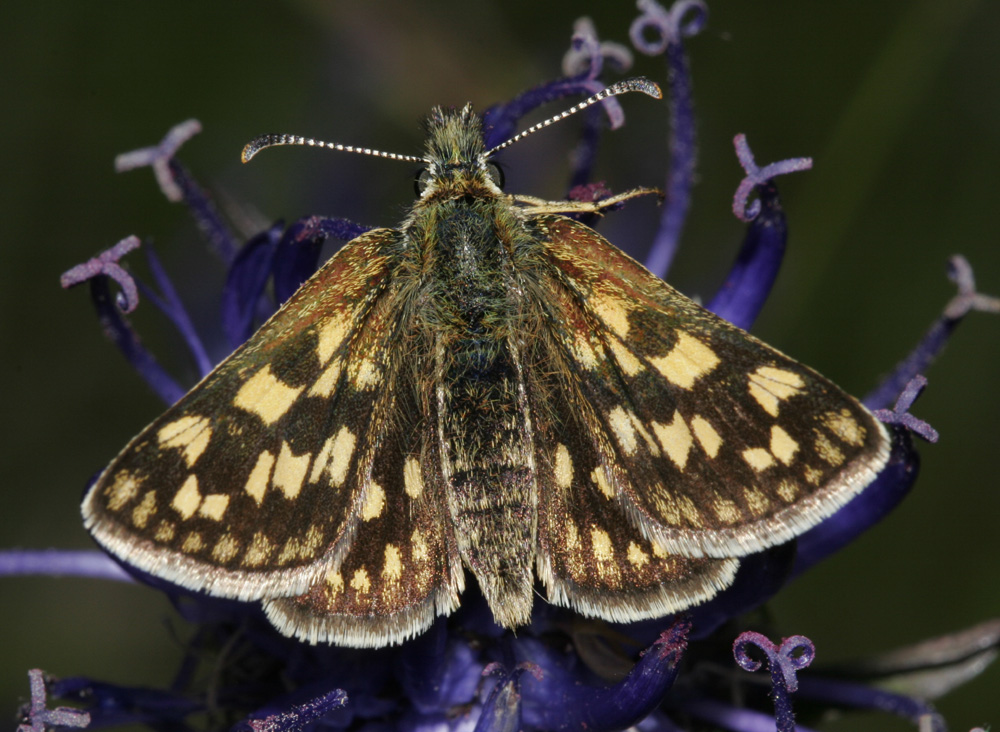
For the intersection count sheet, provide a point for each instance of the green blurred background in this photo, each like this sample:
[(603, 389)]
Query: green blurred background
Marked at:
[(898, 102)]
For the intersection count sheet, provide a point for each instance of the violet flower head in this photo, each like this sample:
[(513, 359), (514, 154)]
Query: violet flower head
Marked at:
[(563, 672)]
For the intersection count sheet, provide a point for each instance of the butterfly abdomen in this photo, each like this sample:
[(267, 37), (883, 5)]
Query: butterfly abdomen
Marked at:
[(483, 419)]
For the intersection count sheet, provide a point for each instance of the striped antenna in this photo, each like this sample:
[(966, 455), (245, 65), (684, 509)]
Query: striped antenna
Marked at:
[(639, 84), (259, 143)]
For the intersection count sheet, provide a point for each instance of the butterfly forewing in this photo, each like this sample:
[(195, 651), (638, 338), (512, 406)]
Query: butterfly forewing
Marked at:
[(247, 482), (713, 442)]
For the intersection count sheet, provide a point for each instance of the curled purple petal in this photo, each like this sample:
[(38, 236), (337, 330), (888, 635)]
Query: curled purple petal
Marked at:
[(158, 157), (39, 717), (758, 176), (900, 414), (61, 562), (106, 264), (937, 336), (682, 141), (587, 53), (794, 654), (667, 26), (752, 276), (560, 700)]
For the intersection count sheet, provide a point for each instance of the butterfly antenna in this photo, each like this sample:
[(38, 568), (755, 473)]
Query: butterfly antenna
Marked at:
[(638, 84), (270, 140)]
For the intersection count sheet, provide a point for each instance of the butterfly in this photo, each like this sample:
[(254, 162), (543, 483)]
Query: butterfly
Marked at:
[(491, 389)]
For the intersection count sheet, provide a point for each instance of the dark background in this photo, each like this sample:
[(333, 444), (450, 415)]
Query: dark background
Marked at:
[(898, 102)]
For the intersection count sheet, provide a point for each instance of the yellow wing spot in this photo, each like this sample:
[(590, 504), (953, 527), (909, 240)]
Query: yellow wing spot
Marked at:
[(267, 397), (636, 556), (658, 551), (187, 498), (145, 509), (687, 361), (757, 501), (413, 482), (392, 569), (321, 461), (225, 548), (601, 545), (192, 543), (290, 550), (706, 435), (191, 434), (312, 542), (827, 450), (675, 438), (214, 506), (365, 374), (572, 537), (787, 491), (726, 510), (769, 386), (374, 502), (626, 359), (613, 313), (691, 512), (789, 379), (329, 337), (418, 547), (758, 458), (601, 480), (583, 353), (260, 477), (259, 551), (666, 506), (123, 489), (166, 531), (563, 467), (290, 471), (340, 459), (360, 582), (654, 449), (334, 582), (327, 381), (845, 427), (783, 446), (813, 475), (623, 428)]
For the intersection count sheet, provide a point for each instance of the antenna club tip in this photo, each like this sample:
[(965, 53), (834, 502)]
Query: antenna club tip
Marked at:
[(647, 87), (248, 152)]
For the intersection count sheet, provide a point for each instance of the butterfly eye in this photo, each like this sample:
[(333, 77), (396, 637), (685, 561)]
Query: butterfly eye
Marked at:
[(420, 180), (495, 172)]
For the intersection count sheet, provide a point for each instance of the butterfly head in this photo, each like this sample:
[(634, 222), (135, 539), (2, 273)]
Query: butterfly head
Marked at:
[(456, 162)]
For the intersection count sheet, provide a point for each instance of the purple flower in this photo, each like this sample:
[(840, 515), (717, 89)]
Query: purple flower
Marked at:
[(564, 672)]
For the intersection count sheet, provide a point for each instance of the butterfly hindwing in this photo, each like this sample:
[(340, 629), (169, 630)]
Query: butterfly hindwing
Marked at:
[(590, 556), (221, 492), (714, 442), (402, 569)]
